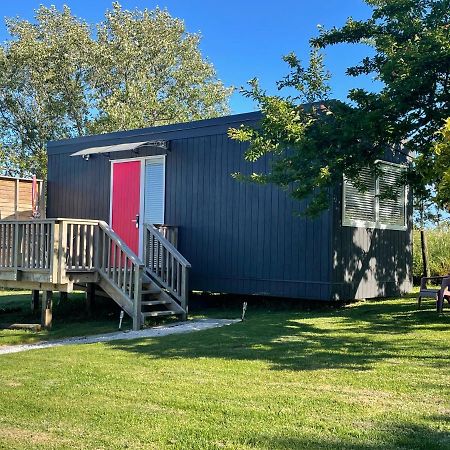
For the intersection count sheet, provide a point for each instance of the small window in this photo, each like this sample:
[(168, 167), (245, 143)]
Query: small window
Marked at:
[(154, 190), (370, 208)]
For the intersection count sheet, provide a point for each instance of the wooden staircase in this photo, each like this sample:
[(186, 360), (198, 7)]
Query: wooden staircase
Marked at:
[(58, 254), (158, 303)]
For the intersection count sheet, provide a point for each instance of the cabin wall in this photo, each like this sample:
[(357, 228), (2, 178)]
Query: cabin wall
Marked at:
[(368, 262), (240, 238)]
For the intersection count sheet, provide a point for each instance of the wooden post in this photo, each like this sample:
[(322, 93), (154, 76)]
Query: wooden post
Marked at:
[(137, 309), (90, 298), (184, 291), (62, 252), (16, 247), (55, 266), (34, 300), (145, 244), (41, 203), (16, 200), (97, 248), (47, 306)]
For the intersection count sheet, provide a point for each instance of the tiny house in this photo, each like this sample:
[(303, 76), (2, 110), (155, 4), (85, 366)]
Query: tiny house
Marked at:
[(238, 237)]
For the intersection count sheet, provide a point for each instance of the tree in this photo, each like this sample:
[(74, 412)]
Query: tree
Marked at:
[(61, 77), (313, 146), (150, 71), (429, 210), (43, 87), (442, 154)]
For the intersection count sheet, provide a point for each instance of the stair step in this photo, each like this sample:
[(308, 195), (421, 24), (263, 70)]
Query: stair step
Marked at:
[(155, 302), (159, 313), (152, 290), (146, 279)]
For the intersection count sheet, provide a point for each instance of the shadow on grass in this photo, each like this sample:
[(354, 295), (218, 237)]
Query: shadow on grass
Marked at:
[(354, 338), (69, 317), (389, 436)]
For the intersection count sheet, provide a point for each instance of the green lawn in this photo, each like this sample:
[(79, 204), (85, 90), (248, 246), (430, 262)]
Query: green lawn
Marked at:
[(375, 375)]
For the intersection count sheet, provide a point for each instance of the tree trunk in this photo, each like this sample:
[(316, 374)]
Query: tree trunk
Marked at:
[(424, 247)]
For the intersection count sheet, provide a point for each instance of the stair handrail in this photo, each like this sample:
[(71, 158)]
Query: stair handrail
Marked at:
[(166, 265), (113, 235), (125, 270)]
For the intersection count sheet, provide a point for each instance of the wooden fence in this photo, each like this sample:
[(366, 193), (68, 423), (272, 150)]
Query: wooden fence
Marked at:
[(16, 202)]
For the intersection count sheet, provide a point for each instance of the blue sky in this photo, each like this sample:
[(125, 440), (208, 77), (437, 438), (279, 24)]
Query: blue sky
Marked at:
[(243, 39)]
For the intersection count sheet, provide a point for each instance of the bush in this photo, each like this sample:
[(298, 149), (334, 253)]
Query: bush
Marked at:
[(438, 252)]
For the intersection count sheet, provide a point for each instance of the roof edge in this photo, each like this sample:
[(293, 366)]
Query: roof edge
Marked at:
[(161, 129)]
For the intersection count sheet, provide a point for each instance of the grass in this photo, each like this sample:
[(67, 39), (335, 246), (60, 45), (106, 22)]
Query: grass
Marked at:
[(369, 376), (70, 318)]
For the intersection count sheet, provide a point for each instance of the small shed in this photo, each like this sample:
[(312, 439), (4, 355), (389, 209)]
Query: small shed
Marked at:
[(21, 198), (240, 238)]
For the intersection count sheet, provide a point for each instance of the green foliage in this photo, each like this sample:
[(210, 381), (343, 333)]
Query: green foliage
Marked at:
[(61, 77), (438, 241), (313, 146), (43, 87), (442, 152), (411, 43), (149, 71)]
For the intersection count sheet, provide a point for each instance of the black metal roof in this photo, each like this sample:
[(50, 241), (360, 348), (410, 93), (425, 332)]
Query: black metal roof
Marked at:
[(166, 132)]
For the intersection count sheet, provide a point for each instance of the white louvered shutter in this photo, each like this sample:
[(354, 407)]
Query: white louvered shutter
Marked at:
[(391, 211), (154, 191), (360, 205)]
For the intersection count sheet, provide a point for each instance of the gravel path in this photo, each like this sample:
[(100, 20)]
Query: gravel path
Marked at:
[(163, 330)]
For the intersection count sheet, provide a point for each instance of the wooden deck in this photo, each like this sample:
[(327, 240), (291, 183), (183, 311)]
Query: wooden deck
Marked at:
[(57, 254)]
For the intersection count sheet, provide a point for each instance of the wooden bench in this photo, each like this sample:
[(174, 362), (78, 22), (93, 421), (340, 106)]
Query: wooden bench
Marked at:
[(439, 293)]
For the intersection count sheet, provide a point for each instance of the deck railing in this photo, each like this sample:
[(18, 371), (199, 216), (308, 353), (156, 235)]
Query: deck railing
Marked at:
[(81, 245), (49, 250), (170, 232), (30, 246), (166, 265)]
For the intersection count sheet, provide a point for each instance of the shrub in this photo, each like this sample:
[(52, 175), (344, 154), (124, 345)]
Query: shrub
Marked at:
[(438, 252)]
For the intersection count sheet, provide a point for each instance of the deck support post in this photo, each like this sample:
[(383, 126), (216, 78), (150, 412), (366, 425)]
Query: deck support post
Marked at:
[(47, 307), (34, 300), (90, 298), (184, 293), (137, 308)]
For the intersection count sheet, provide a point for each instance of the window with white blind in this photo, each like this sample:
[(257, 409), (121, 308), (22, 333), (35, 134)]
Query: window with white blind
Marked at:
[(154, 190), (371, 208)]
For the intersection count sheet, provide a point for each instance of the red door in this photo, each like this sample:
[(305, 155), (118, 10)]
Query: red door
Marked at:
[(126, 188)]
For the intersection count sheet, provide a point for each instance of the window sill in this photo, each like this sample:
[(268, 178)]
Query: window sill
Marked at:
[(375, 225)]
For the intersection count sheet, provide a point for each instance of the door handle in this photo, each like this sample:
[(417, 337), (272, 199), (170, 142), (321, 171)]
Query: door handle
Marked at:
[(136, 221)]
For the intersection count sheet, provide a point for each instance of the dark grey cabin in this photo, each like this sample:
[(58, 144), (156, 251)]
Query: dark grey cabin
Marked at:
[(239, 238)]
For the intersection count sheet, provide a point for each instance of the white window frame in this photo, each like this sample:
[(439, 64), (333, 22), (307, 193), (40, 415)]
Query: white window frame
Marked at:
[(144, 163), (377, 224)]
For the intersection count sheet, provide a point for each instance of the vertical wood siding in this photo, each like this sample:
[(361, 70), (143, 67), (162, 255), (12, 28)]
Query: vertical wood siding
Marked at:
[(239, 237), (369, 262)]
